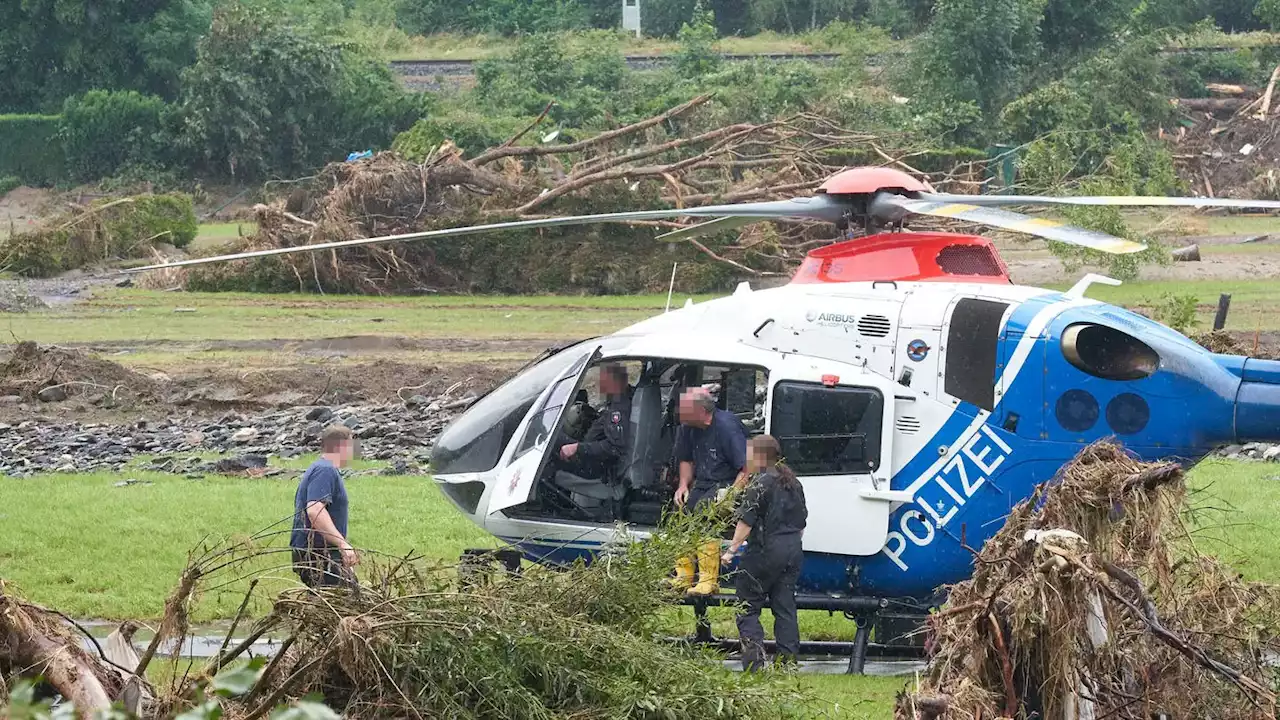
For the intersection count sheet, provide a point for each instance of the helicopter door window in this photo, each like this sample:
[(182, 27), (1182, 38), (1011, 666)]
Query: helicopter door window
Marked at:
[(972, 345), (544, 419), (828, 430)]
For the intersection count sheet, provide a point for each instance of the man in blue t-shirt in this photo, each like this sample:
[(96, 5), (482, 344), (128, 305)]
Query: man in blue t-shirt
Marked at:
[(711, 448), (322, 557)]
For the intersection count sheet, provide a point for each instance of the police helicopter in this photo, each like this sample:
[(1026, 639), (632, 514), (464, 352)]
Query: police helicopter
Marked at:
[(915, 390)]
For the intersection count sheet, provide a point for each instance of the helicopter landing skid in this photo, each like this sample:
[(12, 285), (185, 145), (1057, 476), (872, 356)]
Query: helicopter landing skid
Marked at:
[(867, 612)]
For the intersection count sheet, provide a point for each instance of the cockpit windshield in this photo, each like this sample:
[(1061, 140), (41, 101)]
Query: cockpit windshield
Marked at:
[(474, 442)]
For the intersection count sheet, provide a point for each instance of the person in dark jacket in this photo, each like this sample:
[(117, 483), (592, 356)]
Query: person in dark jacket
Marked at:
[(322, 557), (600, 453), (771, 522)]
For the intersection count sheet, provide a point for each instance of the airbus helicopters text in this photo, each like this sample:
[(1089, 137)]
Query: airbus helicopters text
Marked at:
[(915, 390)]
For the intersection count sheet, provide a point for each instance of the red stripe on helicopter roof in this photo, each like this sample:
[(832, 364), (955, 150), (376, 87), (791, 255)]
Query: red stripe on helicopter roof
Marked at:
[(905, 257)]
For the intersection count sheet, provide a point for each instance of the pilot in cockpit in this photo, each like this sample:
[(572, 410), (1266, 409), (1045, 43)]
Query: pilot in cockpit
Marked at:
[(590, 468)]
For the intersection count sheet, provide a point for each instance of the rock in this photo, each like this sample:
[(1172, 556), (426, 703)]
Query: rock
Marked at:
[(195, 438), (1231, 451), (1271, 453), (245, 435), (132, 481), (53, 393), (243, 463), (417, 401), (10, 400), (68, 468), (319, 414)]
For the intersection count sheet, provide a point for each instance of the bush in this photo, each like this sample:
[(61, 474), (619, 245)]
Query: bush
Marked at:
[(7, 183), (108, 230), (471, 131), (268, 98), (103, 131), (29, 149), (1178, 311)]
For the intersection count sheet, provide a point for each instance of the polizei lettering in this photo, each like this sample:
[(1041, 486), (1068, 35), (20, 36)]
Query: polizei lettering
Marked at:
[(939, 499)]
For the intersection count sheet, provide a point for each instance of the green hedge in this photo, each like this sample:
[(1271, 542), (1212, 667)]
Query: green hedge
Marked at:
[(30, 150)]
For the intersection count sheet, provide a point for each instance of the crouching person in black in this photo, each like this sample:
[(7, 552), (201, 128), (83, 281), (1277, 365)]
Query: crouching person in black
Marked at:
[(771, 521)]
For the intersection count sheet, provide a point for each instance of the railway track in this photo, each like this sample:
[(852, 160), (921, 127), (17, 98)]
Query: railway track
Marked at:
[(434, 74)]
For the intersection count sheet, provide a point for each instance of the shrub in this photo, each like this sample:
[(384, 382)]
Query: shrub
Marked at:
[(471, 131), (266, 98), (7, 183), (1178, 311), (124, 228), (29, 148), (103, 131)]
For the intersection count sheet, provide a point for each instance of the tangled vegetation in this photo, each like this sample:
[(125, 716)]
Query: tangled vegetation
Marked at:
[(1093, 601), (100, 233), (420, 639)]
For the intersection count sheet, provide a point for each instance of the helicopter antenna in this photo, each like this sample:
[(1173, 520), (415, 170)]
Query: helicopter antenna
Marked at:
[(671, 287)]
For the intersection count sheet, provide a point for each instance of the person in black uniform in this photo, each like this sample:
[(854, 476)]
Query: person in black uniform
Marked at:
[(771, 522), (591, 469)]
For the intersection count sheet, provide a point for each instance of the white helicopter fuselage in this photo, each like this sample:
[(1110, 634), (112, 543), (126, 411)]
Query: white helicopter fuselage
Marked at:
[(966, 422)]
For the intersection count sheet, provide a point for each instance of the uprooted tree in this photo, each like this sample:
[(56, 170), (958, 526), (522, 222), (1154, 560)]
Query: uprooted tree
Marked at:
[(667, 160), (1093, 601)]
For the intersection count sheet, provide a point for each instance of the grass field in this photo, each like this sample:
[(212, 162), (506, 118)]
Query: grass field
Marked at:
[(80, 544)]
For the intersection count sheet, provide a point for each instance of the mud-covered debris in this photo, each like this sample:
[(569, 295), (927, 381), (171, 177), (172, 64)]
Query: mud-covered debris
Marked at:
[(1093, 601), (52, 374)]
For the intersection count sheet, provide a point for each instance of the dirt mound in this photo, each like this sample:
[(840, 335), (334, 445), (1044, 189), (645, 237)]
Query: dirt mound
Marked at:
[(52, 374), (1227, 342), (1093, 601)]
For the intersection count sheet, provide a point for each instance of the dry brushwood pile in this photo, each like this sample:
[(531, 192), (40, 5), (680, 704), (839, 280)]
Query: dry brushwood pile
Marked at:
[(663, 161), (421, 640), (1092, 602), (1233, 148)]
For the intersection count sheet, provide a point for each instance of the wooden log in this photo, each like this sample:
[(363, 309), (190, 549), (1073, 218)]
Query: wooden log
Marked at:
[(1233, 90), (28, 647), (1190, 253), (1212, 104)]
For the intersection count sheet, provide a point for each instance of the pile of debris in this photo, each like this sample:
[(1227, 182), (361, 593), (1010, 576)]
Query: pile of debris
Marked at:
[(53, 374), (1092, 601), (400, 433), (424, 640), (1232, 149)]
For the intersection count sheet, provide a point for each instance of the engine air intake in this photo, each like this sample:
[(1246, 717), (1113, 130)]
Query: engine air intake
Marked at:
[(876, 326)]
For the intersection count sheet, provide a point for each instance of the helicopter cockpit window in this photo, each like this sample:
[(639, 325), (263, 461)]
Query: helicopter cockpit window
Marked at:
[(475, 441), (1108, 353), (973, 341), (544, 419), (828, 430)]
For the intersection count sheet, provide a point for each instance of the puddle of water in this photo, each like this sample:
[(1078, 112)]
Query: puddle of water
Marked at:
[(204, 642)]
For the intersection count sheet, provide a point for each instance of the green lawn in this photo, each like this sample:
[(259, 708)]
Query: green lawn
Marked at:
[(480, 47), (214, 234), (142, 315), (77, 543), (1253, 302)]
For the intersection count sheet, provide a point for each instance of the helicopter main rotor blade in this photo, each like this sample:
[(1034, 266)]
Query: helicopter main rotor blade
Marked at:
[(893, 207), (709, 227), (818, 207), (1118, 200)]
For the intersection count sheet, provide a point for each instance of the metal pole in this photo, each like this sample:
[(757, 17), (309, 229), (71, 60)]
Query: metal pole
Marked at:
[(1224, 304), (671, 287)]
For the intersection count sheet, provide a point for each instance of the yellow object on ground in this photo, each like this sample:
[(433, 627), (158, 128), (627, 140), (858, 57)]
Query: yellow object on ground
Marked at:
[(708, 569)]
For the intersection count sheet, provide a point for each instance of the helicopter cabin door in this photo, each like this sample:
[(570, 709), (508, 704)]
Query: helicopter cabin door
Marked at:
[(528, 455), (838, 439)]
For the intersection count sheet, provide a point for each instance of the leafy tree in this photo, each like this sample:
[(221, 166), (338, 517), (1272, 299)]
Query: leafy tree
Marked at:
[(265, 97), (979, 50), (506, 17), (900, 17), (1230, 15), (581, 80), (698, 54), (1268, 11), (1074, 26), (51, 49)]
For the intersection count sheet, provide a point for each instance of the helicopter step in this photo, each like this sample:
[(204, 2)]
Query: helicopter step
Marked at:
[(869, 613)]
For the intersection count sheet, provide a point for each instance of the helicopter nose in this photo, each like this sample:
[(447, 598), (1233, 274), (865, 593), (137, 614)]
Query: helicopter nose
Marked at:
[(1257, 416)]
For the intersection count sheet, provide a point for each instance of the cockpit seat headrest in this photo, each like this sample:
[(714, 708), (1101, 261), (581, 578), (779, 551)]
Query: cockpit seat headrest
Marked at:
[(641, 468)]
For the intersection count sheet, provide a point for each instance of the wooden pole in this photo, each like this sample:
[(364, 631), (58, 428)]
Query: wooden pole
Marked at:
[(1224, 304)]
